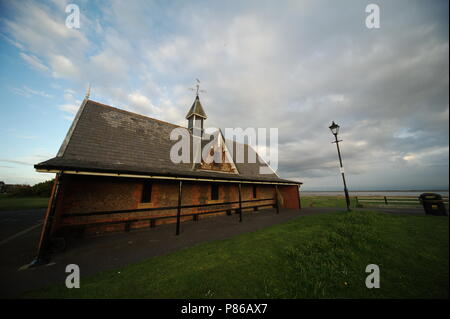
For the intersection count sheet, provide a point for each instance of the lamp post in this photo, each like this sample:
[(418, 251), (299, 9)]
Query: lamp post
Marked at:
[(335, 130)]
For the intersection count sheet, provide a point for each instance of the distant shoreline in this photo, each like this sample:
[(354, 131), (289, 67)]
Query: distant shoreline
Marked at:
[(379, 191)]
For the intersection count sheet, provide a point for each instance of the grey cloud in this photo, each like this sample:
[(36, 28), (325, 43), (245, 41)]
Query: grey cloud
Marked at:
[(296, 66)]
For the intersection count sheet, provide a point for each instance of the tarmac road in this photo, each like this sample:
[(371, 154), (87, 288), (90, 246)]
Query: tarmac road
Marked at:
[(14, 222)]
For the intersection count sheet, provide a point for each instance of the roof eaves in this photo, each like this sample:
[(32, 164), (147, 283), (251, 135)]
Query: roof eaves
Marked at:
[(198, 114), (233, 177)]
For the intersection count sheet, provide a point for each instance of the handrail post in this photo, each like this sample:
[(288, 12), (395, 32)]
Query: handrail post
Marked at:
[(277, 204), (240, 204), (179, 207)]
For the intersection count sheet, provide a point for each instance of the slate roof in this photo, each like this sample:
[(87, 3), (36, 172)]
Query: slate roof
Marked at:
[(107, 139), (197, 109)]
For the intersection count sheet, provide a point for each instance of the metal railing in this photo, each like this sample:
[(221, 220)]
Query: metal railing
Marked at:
[(152, 219), (393, 200)]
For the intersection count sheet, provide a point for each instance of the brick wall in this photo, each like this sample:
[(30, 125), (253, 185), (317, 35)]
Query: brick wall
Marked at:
[(85, 194), (290, 196)]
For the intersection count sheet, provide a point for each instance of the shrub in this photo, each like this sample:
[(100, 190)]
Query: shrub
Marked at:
[(42, 189)]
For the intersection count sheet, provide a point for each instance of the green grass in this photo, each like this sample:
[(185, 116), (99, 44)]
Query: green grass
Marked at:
[(326, 201), (339, 201), (17, 203), (316, 256)]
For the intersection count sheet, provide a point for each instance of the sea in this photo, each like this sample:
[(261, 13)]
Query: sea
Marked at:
[(407, 193)]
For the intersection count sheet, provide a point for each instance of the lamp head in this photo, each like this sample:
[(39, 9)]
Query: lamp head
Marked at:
[(334, 128)]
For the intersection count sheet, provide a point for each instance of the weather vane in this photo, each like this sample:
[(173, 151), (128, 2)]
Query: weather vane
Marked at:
[(197, 88), (88, 91)]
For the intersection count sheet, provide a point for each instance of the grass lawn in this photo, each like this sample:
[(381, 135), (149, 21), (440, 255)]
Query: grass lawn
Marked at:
[(339, 201), (315, 256), (326, 201), (17, 203)]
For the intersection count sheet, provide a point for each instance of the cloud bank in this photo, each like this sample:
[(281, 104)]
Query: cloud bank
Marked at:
[(295, 65)]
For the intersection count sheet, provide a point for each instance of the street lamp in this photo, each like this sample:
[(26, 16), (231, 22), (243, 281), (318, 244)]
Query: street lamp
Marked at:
[(335, 130)]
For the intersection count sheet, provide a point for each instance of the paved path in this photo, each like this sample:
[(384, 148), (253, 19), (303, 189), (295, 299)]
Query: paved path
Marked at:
[(21, 232)]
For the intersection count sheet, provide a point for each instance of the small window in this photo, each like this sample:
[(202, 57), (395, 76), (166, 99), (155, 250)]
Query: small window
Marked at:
[(254, 191), (146, 193), (214, 191)]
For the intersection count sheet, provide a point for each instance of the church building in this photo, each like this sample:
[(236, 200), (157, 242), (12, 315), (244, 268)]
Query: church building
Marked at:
[(114, 173)]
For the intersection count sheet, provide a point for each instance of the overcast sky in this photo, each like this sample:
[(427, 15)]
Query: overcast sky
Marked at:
[(294, 65)]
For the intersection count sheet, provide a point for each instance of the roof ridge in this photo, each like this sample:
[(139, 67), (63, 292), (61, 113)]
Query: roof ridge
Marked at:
[(135, 114), (68, 137)]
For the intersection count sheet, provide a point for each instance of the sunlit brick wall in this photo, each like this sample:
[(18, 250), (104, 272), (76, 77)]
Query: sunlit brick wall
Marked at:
[(86, 194)]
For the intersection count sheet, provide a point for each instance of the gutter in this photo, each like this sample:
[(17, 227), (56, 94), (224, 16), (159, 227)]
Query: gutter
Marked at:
[(177, 178)]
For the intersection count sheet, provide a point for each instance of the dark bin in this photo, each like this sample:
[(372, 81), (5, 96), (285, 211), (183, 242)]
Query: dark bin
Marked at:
[(433, 204)]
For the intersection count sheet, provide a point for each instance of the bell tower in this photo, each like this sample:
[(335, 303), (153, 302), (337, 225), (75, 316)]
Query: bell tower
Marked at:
[(196, 115)]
